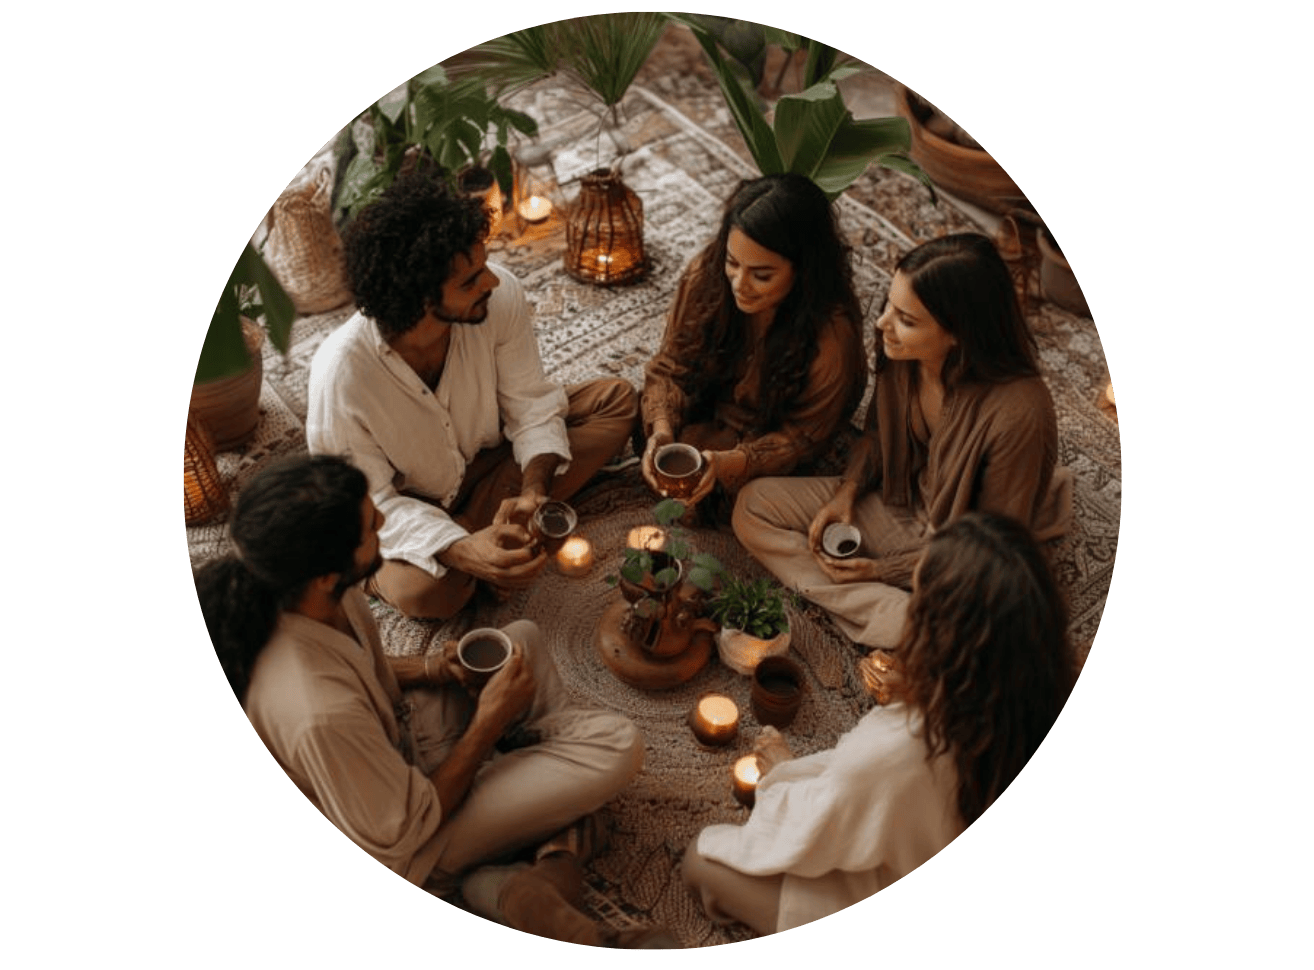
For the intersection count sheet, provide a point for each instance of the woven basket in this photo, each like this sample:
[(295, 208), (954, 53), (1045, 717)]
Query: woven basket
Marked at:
[(304, 249), (604, 234), (204, 495)]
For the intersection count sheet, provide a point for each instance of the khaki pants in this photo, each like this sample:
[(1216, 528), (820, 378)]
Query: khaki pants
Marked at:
[(771, 520), (522, 797), (598, 423), (729, 895)]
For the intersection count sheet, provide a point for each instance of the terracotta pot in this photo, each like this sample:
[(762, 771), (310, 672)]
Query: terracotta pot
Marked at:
[(969, 173), (1057, 281), (230, 406), (777, 691)]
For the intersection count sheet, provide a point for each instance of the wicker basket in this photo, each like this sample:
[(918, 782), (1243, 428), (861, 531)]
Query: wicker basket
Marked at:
[(304, 249), (604, 234), (204, 495)]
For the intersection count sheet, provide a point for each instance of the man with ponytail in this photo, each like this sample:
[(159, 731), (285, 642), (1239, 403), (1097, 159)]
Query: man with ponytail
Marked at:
[(430, 771)]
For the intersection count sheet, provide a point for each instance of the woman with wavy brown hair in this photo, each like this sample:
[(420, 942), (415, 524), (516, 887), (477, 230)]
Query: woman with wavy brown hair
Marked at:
[(960, 419), (762, 361), (986, 669)]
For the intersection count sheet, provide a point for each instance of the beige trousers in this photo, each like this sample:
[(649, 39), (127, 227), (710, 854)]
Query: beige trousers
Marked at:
[(771, 520), (599, 421), (584, 756), (729, 895)]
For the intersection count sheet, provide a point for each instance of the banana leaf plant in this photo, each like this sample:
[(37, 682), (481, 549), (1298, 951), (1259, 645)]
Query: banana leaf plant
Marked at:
[(599, 55), (440, 124), (253, 292), (812, 132)]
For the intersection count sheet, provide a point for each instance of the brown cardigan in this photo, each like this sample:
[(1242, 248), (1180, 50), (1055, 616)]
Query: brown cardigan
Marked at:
[(996, 450), (835, 383)]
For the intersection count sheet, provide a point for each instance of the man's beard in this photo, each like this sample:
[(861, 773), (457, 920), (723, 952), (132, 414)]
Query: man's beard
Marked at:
[(354, 576), (478, 313)]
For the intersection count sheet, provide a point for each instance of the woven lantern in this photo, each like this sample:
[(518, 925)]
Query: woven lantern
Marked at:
[(604, 234), (204, 495)]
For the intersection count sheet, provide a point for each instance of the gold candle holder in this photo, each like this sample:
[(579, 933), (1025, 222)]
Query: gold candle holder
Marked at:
[(714, 720)]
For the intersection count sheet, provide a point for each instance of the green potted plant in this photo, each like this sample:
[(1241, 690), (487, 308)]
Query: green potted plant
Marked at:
[(226, 386), (754, 624), (437, 124), (600, 56), (652, 579), (812, 132)]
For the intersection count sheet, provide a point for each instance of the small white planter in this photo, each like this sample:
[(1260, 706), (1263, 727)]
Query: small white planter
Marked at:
[(742, 652)]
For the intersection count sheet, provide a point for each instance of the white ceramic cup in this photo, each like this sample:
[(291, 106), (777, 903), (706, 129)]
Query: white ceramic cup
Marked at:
[(841, 540)]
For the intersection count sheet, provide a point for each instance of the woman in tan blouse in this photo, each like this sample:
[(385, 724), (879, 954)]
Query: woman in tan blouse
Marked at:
[(960, 419), (762, 360)]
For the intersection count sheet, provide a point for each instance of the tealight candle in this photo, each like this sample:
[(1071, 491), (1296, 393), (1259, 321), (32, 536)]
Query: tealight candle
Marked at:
[(535, 208), (714, 719), (575, 557), (744, 776), (650, 537)]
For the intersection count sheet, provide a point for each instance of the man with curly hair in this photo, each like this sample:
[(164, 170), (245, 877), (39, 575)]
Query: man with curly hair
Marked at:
[(436, 390)]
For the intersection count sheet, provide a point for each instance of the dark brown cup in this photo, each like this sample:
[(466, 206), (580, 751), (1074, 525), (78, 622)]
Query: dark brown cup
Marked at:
[(777, 691), (678, 468), (552, 524), (484, 650)]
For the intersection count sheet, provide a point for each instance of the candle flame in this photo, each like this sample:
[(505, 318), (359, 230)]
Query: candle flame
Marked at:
[(747, 770), (718, 710)]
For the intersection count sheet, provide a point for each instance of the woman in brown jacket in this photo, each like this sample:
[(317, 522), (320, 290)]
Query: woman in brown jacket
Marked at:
[(960, 419), (762, 360)]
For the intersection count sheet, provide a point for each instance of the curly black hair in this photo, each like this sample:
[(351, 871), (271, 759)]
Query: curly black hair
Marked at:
[(399, 249)]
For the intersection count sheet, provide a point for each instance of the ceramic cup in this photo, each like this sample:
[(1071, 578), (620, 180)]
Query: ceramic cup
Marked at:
[(841, 540), (777, 691), (484, 650), (679, 467), (552, 523)]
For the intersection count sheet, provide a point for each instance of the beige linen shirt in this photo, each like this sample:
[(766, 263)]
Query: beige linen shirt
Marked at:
[(324, 703), (844, 823), (367, 405)]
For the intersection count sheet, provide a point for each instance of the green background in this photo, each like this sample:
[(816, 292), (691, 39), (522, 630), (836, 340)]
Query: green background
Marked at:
[(149, 826)]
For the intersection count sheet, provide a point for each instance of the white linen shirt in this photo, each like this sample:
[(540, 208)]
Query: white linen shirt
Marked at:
[(845, 823), (367, 405)]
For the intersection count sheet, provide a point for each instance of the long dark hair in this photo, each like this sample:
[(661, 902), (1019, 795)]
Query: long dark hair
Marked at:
[(399, 249), (965, 284), (985, 652), (789, 215), (298, 518)]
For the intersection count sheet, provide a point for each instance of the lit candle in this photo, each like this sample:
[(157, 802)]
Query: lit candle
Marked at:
[(745, 775), (648, 537), (535, 208), (1108, 393), (714, 719), (575, 558)]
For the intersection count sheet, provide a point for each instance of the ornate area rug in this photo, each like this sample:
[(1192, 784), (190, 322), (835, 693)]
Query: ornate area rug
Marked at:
[(686, 158)]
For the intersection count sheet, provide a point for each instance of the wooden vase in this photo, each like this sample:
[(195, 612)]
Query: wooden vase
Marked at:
[(969, 173), (1057, 281), (230, 406)]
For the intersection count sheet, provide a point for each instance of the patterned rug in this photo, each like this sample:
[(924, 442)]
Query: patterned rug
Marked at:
[(686, 158)]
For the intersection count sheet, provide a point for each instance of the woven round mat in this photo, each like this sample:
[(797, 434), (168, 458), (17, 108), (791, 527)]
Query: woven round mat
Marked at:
[(683, 785)]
